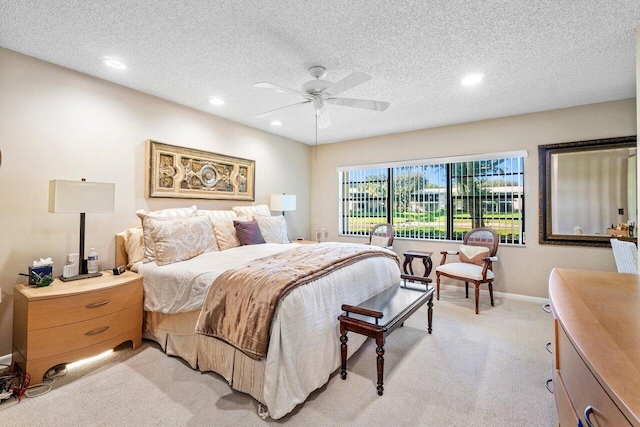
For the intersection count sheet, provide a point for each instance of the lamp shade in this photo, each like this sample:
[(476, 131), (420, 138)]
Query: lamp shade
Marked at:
[(283, 202), (81, 196)]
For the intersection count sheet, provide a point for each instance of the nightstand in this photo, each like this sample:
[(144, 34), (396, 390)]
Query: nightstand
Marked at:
[(304, 242), (68, 321)]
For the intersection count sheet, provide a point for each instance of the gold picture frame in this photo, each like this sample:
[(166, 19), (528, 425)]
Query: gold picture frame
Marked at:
[(188, 173)]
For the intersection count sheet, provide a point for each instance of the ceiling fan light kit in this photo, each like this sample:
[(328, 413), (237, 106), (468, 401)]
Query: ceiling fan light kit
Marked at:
[(318, 91)]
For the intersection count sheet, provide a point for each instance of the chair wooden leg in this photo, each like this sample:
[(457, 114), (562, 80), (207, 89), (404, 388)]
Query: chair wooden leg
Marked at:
[(466, 288), (477, 295), (438, 286), (491, 292)]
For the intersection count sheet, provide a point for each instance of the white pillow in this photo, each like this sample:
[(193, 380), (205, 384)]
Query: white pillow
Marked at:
[(134, 245), (164, 214), (273, 228), (225, 232), (181, 239), (249, 211), (382, 241), (217, 214)]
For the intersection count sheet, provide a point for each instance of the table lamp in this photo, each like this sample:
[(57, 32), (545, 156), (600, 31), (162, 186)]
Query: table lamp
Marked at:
[(283, 202), (81, 197)]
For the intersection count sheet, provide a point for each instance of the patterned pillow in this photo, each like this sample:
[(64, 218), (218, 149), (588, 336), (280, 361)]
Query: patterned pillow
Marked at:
[(473, 254), (225, 232), (149, 252), (273, 228), (249, 211), (217, 214), (134, 245), (181, 239), (248, 233)]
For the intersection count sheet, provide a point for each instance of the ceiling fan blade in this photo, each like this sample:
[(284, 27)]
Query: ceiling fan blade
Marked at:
[(324, 121), (359, 103), (352, 80), (268, 113), (282, 89)]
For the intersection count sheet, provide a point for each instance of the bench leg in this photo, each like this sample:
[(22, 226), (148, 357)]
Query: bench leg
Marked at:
[(343, 352), (466, 287), (380, 353), (430, 312)]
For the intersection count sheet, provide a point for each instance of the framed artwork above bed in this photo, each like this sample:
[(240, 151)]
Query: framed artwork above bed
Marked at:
[(188, 173)]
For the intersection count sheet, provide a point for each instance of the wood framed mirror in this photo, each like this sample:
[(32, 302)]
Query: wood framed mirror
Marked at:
[(588, 191)]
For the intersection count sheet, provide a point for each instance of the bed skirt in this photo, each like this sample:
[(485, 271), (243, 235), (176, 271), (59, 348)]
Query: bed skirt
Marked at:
[(175, 334)]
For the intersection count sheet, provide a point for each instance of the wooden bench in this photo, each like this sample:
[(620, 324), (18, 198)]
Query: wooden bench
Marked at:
[(380, 315)]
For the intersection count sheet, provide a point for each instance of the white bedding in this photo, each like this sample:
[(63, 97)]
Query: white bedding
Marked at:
[(304, 348), (181, 286)]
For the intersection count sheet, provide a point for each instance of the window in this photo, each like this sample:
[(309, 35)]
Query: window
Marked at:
[(436, 200)]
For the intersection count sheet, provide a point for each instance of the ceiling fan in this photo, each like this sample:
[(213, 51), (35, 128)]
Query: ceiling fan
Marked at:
[(319, 92)]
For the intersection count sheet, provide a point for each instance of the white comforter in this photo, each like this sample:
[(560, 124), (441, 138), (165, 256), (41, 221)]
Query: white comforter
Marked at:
[(304, 348), (181, 286)]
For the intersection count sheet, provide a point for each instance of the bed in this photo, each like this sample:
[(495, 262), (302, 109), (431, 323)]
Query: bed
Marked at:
[(304, 346)]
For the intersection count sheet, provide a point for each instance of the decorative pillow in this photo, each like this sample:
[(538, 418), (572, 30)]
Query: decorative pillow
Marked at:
[(249, 211), (165, 214), (379, 241), (217, 214), (181, 239), (273, 228), (134, 245), (225, 232), (248, 233), (473, 254)]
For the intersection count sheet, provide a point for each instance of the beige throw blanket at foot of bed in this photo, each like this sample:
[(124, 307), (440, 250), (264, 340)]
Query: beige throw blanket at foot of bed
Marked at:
[(241, 303)]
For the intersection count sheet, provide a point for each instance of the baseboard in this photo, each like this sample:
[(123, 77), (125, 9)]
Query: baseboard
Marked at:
[(498, 294), (5, 360)]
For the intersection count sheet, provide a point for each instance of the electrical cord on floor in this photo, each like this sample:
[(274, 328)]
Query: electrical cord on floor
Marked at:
[(47, 382)]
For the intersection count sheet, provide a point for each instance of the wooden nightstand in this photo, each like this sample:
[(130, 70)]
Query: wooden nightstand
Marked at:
[(304, 242), (68, 321)]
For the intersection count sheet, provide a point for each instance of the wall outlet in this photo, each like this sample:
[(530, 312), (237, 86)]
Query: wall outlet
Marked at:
[(73, 259)]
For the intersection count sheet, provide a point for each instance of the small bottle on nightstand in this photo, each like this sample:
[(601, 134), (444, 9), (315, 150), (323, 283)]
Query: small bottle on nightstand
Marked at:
[(92, 261)]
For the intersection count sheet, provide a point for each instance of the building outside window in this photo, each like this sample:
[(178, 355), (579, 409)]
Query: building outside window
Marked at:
[(439, 199)]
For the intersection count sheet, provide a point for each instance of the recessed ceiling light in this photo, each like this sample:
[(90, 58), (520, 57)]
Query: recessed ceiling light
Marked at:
[(114, 63), (216, 101), (276, 123), (472, 79)]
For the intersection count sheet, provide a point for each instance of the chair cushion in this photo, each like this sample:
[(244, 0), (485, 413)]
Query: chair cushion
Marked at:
[(464, 269), (473, 254)]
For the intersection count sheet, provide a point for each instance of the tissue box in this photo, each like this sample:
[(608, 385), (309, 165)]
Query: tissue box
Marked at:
[(41, 276)]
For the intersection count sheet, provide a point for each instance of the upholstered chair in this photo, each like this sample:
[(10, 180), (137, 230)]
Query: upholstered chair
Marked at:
[(381, 235), (476, 256)]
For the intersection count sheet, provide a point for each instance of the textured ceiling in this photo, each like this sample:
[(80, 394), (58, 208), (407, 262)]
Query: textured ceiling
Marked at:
[(536, 55)]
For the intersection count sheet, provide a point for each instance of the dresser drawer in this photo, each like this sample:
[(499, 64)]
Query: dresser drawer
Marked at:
[(567, 415), (63, 339), (584, 388), (51, 312)]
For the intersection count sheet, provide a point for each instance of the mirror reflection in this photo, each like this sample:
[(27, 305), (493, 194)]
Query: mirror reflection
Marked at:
[(588, 191), (594, 192)]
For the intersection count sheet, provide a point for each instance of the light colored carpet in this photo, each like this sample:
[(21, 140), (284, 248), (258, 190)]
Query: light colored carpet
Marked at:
[(474, 370)]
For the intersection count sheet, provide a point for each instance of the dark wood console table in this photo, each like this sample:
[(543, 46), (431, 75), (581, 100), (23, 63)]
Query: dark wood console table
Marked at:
[(380, 315)]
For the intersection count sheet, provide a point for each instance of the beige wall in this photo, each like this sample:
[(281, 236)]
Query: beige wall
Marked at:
[(521, 270), (60, 124)]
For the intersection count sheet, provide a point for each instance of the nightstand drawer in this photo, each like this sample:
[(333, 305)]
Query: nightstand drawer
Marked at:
[(63, 339), (51, 312)]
